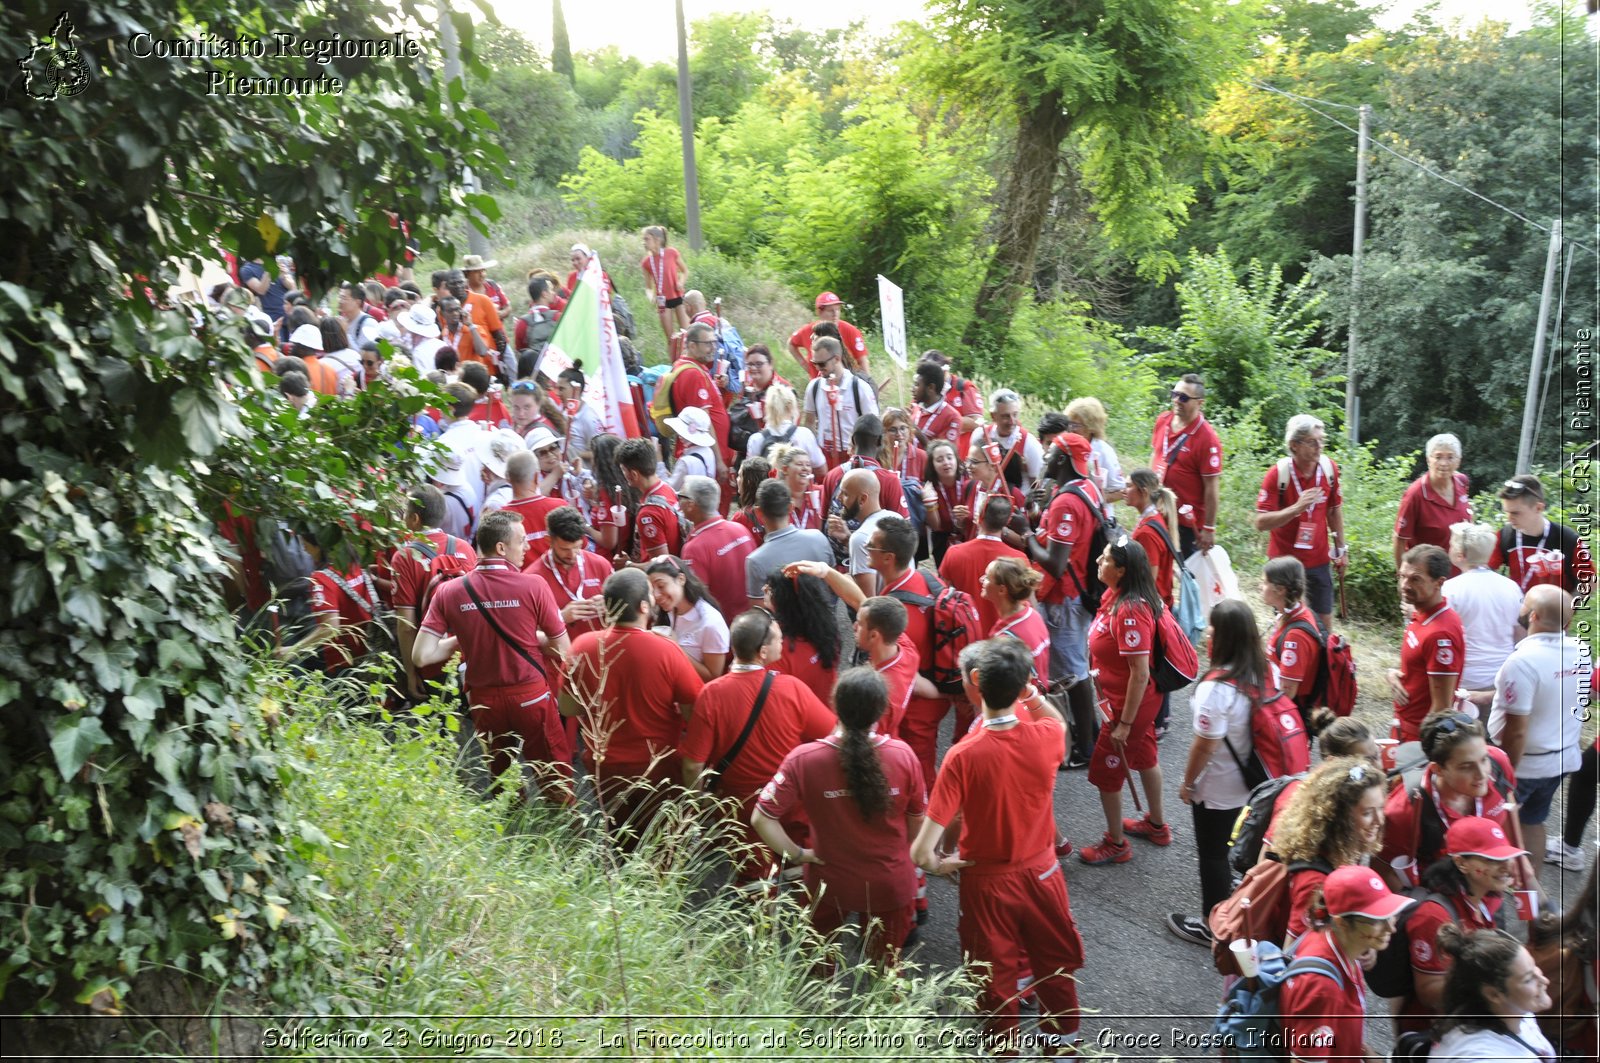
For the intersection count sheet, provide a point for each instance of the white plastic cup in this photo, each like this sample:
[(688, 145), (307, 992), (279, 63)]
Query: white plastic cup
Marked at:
[(1406, 868), (1244, 955)]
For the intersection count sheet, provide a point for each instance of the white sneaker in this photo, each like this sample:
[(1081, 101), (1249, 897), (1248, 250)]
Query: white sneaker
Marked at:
[(1567, 857)]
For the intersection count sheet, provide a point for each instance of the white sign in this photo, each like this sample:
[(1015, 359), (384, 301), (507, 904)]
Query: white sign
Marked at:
[(892, 311)]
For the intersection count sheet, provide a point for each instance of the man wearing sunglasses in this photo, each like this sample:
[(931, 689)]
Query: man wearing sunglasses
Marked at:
[(1187, 455), (1534, 549)]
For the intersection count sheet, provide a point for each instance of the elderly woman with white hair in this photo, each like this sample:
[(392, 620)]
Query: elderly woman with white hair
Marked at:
[(1301, 505), (1435, 501), (1489, 605)]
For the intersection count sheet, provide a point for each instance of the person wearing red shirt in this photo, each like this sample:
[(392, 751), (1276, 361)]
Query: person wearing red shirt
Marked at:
[(499, 617), (863, 795), (343, 602), (1534, 549), (581, 254), (945, 477), (965, 563), (866, 441), (657, 530), (829, 309), (1433, 651), (963, 397), (665, 280), (1323, 1001), (935, 418), (1301, 505), (982, 484), (1061, 549), (758, 379), (1156, 529), (715, 548), (1007, 585), (804, 608), (1121, 640), (790, 715), (412, 565), (1292, 645), (902, 456), (534, 508), (1186, 454), (534, 329), (1018, 456), (631, 727), (1015, 913), (249, 578), (1436, 500), (574, 575), (692, 385)]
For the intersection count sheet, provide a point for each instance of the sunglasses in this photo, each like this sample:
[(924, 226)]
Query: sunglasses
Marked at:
[(524, 387), (1457, 721), (1515, 488), (1180, 397)]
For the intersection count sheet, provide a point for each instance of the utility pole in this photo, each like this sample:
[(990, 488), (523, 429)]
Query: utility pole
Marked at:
[(476, 241), (1352, 405), (691, 180), (1531, 400)]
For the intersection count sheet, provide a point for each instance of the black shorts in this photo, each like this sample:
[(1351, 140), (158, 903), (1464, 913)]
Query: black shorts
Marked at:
[(673, 304)]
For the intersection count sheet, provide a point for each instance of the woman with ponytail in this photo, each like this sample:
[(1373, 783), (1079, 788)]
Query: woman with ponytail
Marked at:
[(865, 797), (1158, 511), (1491, 995)]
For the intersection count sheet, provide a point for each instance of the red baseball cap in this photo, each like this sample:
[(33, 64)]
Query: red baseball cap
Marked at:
[(1356, 890), (1477, 836), (828, 299), (1078, 447)]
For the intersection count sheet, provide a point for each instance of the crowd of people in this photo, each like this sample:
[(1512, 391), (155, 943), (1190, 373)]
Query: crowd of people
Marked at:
[(669, 612)]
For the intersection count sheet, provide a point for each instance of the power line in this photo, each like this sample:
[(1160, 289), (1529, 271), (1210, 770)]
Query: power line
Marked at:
[(1307, 101)]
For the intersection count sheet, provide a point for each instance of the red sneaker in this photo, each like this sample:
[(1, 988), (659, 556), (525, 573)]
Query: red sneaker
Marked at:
[(1143, 828), (1107, 852)]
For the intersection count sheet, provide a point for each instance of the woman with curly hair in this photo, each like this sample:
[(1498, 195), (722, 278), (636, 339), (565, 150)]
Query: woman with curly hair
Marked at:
[(804, 609), (861, 855), (793, 466), (1567, 948), (1335, 818)]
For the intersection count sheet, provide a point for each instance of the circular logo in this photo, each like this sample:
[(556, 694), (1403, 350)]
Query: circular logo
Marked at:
[(704, 394), (1446, 655), (1289, 657), (1287, 721), (1421, 950), (1113, 761), (1205, 723), (1498, 834), (1130, 639), (1375, 882)]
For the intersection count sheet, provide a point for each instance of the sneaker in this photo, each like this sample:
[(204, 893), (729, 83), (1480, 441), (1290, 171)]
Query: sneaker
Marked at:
[(1107, 852), (1143, 828), (1077, 761), (1189, 928), (1064, 850), (1566, 857), (1160, 732)]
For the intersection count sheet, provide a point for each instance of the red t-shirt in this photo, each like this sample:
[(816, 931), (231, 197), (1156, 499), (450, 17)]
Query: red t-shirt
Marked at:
[(913, 462), (410, 565), (1147, 533), (963, 396), (1306, 536), (1557, 557), (1002, 782), (939, 421), (716, 552), (866, 864), (1119, 631), (583, 580), (1184, 458), (1303, 886), (1029, 628), (746, 519), (661, 270), (693, 386), (965, 563), (948, 498), (657, 524), (1425, 517), (900, 673), (346, 597), (1322, 1018), (1422, 927), (241, 532), (919, 628), (850, 338), (1401, 835), (1433, 645), (800, 660), (573, 278), (491, 411), (606, 673), (792, 715), (523, 607), (535, 511), (891, 495), (1300, 654), (1072, 523)]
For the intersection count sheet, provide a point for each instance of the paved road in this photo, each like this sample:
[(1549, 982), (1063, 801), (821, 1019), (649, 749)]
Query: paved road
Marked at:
[(1139, 978)]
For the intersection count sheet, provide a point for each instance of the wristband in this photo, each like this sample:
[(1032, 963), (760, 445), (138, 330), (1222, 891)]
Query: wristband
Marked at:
[(1126, 723), (1208, 527)]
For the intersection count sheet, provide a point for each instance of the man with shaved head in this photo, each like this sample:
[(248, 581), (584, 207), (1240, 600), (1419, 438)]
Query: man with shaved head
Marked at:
[(858, 500)]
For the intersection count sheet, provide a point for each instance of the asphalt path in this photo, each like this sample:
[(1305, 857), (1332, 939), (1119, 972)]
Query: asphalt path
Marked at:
[(1140, 981)]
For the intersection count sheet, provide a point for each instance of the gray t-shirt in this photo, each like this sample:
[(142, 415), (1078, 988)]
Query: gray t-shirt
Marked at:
[(781, 548)]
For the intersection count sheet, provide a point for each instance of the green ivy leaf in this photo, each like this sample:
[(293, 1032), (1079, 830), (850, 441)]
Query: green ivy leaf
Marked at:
[(88, 608), (197, 414), (73, 740)]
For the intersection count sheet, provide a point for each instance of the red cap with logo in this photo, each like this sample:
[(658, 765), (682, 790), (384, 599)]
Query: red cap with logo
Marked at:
[(1356, 890), (1078, 447), (828, 299), (1477, 836)]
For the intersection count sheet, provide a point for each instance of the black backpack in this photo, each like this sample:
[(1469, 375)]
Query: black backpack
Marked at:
[(741, 426), (1244, 848), (1390, 974), (1091, 590)]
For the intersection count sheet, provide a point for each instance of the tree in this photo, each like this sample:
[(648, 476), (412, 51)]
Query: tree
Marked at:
[(728, 62), (1122, 76), (560, 46), (142, 829)]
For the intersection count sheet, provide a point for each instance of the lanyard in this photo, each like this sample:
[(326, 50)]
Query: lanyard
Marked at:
[(1000, 721), (903, 581), (1173, 450), (656, 260), (561, 578), (1300, 488), (1027, 611), (1527, 570)]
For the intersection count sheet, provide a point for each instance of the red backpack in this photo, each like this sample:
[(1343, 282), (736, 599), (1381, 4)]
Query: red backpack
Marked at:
[(443, 566), (955, 627), (1334, 684), (1279, 744)]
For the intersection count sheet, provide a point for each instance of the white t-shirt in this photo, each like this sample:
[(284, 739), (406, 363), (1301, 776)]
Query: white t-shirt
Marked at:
[(1110, 467), (1222, 710), (585, 425), (859, 539), (700, 631), (1461, 1044), (1542, 680), (696, 461), (1488, 605), (802, 437), (422, 354), (856, 397)]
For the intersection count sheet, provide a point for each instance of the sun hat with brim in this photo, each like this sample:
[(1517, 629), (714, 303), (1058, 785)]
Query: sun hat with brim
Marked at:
[(421, 320), (448, 472), (495, 449), (1477, 836), (1356, 890), (473, 263), (694, 425), (540, 438), (307, 336)]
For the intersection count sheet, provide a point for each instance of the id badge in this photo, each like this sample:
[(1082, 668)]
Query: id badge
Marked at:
[(1305, 535)]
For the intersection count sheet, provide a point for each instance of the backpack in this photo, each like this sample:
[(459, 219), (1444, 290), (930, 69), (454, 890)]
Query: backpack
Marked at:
[(661, 404), (1257, 909), (916, 508), (955, 627), (1105, 528), (442, 568), (1390, 974), (537, 335), (1250, 829), (730, 347), (1191, 618), (1316, 693), (621, 316), (1572, 990), (772, 439), (1173, 661), (1324, 463), (742, 425), (681, 521), (1249, 1022), (1279, 745), (377, 636)]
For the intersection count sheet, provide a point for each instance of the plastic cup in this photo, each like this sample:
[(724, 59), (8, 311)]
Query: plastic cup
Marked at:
[(1244, 955), (1386, 748)]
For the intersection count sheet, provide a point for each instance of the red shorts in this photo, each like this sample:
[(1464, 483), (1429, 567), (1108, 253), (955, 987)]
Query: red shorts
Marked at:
[(1001, 913), (884, 931), (1108, 769), (506, 717)]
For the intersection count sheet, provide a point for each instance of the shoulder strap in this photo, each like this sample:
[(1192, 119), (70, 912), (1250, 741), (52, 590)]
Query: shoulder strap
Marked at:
[(1160, 525), (450, 542), (494, 625), (1314, 965), (855, 391), (744, 736), (350, 592), (423, 547), (1283, 473), (1298, 625)]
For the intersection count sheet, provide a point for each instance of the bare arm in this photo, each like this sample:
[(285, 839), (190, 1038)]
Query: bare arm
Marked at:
[(1441, 692), (840, 583), (925, 850), (1200, 754), (430, 649), (1514, 739), (778, 840), (692, 770)]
